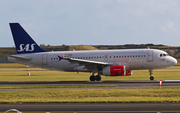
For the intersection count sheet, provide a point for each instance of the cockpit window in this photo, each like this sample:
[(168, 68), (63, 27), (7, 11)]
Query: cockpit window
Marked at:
[(164, 55)]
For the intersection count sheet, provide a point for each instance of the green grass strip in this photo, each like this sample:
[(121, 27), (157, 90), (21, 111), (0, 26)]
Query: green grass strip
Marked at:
[(153, 95), (68, 86)]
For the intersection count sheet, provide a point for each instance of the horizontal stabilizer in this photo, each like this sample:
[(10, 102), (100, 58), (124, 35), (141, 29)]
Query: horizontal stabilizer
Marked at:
[(20, 57)]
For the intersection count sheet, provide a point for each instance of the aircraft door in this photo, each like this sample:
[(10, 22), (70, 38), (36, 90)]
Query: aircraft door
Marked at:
[(150, 56), (44, 59)]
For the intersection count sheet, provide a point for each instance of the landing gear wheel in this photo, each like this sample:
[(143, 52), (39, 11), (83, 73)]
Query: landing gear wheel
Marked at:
[(92, 78), (151, 78), (150, 73), (98, 78)]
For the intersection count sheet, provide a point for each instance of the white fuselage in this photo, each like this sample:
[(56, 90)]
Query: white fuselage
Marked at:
[(133, 59)]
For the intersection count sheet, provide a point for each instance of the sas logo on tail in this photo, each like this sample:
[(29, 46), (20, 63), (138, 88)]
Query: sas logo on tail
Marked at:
[(26, 47)]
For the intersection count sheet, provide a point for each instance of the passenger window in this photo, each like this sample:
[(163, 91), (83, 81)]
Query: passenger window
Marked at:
[(109, 56), (117, 56), (160, 55)]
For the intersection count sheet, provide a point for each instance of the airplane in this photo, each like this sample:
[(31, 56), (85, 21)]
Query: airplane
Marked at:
[(120, 62)]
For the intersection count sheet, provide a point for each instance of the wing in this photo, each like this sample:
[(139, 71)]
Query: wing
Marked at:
[(88, 63)]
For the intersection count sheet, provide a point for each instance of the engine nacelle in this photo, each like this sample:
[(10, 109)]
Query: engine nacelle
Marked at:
[(117, 70)]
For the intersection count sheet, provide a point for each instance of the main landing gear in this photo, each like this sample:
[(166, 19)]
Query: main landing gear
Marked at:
[(150, 73), (93, 78)]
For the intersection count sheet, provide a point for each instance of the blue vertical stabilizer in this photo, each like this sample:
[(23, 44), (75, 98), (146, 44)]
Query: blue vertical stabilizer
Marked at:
[(24, 43)]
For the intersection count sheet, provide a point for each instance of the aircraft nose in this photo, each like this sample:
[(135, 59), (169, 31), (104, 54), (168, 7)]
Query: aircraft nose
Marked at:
[(173, 61)]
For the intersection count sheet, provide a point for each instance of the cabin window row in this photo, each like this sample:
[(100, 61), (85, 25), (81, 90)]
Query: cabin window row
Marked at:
[(128, 56), (88, 57), (99, 57)]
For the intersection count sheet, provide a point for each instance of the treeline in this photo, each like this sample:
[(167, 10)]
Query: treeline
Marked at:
[(173, 51)]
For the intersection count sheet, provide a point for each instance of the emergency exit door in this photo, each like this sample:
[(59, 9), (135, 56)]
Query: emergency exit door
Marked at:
[(44, 59), (150, 55)]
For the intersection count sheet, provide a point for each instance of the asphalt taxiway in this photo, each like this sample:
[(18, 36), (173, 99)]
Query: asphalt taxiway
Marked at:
[(120, 84), (125, 83), (96, 107)]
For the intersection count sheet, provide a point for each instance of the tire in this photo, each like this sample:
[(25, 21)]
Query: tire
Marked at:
[(98, 78), (92, 78), (151, 78)]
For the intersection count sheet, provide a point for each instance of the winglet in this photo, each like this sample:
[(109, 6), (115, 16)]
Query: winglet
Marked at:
[(24, 43)]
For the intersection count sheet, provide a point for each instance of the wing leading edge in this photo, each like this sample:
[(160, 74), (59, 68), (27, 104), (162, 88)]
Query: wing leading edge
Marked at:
[(87, 63)]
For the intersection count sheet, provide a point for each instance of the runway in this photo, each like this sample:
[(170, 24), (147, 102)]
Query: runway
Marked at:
[(125, 83), (120, 84), (96, 107)]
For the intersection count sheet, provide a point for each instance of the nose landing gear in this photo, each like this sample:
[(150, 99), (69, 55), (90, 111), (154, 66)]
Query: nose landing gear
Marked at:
[(150, 73)]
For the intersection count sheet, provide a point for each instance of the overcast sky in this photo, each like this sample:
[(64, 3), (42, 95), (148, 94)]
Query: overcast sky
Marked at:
[(93, 22)]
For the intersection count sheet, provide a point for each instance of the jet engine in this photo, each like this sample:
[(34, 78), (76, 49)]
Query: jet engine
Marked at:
[(117, 70)]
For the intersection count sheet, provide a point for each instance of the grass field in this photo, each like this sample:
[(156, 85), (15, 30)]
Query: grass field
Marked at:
[(9, 73), (155, 95), (11, 65)]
